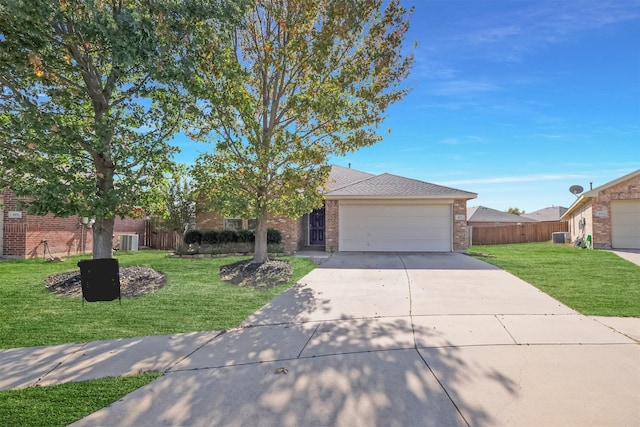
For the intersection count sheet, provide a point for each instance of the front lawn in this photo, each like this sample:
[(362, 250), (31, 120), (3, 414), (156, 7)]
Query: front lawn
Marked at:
[(193, 299), (63, 404), (593, 282)]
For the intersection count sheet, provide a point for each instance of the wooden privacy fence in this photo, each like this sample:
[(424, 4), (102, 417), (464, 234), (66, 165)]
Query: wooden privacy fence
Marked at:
[(160, 239), (519, 233)]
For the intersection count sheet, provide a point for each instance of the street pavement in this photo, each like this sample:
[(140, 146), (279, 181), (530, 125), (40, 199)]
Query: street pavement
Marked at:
[(372, 340)]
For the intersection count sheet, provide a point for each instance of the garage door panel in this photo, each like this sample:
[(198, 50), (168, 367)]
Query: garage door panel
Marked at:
[(625, 224), (395, 223), (395, 227), (404, 233)]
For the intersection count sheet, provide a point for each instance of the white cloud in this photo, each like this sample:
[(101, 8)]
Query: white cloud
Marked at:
[(450, 141)]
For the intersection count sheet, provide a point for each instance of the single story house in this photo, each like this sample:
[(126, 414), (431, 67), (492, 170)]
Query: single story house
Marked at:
[(550, 214), (481, 216), (367, 212), (29, 236), (609, 214)]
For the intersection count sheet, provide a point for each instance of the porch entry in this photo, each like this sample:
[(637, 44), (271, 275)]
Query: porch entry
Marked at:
[(316, 227)]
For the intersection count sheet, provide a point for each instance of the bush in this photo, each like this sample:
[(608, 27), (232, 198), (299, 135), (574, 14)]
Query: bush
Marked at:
[(246, 236), (274, 236), (210, 237), (193, 237), (227, 236)]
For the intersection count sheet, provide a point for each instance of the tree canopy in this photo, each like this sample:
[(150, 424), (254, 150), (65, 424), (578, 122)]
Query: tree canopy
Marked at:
[(515, 211), (313, 78), (90, 97)]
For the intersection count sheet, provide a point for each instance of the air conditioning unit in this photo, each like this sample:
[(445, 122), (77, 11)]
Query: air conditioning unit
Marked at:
[(128, 242), (560, 237)]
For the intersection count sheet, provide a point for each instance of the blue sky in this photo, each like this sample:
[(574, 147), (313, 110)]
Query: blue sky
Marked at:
[(514, 100)]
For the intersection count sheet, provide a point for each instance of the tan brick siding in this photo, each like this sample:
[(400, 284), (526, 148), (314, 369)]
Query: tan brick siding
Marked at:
[(291, 229), (331, 225), (460, 238)]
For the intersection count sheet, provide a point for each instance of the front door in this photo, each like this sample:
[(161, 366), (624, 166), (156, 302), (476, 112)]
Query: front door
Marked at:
[(316, 227)]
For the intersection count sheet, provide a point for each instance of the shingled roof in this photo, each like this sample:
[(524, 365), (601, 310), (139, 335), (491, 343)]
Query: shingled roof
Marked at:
[(387, 186), (341, 177), (552, 213), (484, 214)]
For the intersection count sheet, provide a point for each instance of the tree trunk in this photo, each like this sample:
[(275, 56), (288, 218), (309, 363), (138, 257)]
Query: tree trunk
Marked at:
[(260, 254), (103, 238)]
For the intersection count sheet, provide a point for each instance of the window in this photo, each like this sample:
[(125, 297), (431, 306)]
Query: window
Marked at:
[(234, 224), (237, 224)]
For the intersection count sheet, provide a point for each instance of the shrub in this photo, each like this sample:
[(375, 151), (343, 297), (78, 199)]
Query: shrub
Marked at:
[(274, 236), (275, 249), (246, 236), (210, 237), (193, 237), (227, 236), (184, 250)]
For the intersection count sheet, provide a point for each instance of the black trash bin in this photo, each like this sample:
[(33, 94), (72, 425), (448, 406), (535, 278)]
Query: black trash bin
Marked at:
[(100, 279)]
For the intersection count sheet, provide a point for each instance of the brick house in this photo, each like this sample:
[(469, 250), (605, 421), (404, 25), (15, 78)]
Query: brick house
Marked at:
[(367, 212), (24, 236), (608, 215)]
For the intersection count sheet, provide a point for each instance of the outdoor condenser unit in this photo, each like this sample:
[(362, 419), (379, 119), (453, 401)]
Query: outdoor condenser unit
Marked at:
[(128, 242), (560, 237)]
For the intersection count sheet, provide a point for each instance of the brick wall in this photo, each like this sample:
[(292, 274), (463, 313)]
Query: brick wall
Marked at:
[(331, 224), (14, 229), (59, 236), (25, 237), (626, 190), (291, 229), (209, 221), (460, 238), (129, 225)]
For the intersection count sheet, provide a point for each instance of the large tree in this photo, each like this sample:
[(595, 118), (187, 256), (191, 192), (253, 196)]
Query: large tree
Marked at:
[(315, 79), (89, 100)]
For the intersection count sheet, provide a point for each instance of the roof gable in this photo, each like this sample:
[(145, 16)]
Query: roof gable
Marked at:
[(484, 214), (393, 186), (586, 197), (595, 191)]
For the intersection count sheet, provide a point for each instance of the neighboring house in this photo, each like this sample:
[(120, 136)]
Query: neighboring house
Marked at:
[(609, 214), (480, 216), (24, 236), (550, 214), (366, 212)]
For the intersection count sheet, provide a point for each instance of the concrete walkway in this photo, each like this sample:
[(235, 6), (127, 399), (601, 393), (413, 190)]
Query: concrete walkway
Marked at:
[(372, 339), (631, 255)]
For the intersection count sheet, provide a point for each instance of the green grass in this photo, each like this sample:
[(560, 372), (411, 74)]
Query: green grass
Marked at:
[(593, 282), (63, 404), (193, 299)]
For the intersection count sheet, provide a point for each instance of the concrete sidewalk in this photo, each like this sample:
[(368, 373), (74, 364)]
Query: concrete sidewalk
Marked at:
[(631, 255), (373, 339)]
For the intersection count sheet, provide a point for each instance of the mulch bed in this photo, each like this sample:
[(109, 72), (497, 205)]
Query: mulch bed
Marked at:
[(254, 275), (134, 281)]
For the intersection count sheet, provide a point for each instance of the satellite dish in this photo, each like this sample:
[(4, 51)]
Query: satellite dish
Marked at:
[(576, 189)]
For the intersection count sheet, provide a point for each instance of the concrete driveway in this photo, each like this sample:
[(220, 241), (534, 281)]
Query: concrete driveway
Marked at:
[(400, 340)]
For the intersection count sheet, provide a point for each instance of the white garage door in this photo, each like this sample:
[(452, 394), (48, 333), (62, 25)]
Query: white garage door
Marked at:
[(625, 224), (395, 227)]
